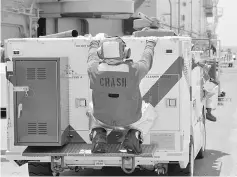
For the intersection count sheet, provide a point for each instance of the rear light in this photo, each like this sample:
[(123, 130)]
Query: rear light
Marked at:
[(80, 102), (171, 102)]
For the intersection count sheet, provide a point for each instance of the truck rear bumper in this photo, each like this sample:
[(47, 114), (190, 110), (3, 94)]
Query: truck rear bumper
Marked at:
[(80, 155)]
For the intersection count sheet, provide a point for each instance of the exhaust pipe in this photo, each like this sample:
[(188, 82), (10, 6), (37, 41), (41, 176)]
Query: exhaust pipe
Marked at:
[(65, 34)]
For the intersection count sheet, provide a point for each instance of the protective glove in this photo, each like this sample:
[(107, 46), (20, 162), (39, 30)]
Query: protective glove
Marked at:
[(152, 41), (88, 36), (96, 41), (100, 36)]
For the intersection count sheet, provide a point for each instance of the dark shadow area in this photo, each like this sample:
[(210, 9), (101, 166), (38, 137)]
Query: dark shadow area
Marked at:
[(209, 166), (109, 171), (3, 113)]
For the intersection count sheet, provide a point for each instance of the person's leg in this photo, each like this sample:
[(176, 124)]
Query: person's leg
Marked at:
[(211, 91), (98, 134), (132, 141), (99, 140), (209, 115), (138, 130)]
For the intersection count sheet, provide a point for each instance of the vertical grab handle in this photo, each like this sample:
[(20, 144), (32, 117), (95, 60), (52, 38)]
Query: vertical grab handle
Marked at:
[(19, 110)]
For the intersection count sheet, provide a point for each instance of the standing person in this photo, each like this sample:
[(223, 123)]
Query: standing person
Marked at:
[(209, 85), (213, 48), (116, 99), (2, 54)]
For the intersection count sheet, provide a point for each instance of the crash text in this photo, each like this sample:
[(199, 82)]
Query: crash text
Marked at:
[(113, 82)]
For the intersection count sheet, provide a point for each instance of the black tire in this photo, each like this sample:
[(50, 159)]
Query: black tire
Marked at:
[(174, 170), (40, 169)]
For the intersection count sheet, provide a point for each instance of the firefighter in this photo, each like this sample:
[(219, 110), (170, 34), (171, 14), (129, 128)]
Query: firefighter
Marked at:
[(213, 48), (116, 99), (2, 54), (209, 85)]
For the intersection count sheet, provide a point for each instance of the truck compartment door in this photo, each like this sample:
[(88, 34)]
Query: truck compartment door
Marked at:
[(36, 111)]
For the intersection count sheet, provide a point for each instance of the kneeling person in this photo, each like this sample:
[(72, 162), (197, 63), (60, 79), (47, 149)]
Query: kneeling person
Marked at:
[(116, 97)]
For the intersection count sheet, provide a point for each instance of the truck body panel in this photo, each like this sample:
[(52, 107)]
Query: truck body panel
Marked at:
[(168, 87)]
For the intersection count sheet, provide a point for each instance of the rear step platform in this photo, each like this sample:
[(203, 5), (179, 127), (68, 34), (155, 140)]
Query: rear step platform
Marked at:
[(76, 149)]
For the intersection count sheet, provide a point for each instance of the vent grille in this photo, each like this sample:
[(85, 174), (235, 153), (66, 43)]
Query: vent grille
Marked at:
[(36, 73), (32, 128), (165, 141), (30, 73), (41, 73), (40, 128)]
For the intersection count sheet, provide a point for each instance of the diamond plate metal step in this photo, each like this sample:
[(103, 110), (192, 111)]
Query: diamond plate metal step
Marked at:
[(76, 149)]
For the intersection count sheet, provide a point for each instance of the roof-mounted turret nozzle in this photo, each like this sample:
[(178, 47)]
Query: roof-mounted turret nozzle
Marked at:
[(65, 34), (149, 26), (146, 22), (154, 22)]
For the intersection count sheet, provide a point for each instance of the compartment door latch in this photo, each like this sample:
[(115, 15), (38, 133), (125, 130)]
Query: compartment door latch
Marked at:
[(21, 89)]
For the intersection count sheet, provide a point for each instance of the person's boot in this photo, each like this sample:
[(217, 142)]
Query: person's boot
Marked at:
[(209, 115), (222, 94), (98, 137), (133, 141)]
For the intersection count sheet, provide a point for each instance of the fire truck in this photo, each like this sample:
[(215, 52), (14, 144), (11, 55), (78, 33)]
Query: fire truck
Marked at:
[(48, 95)]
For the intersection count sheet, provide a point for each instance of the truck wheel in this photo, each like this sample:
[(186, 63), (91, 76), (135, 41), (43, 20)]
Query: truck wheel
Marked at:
[(40, 169), (189, 170)]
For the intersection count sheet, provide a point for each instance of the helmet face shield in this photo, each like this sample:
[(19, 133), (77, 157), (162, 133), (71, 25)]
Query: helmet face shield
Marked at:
[(114, 49)]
